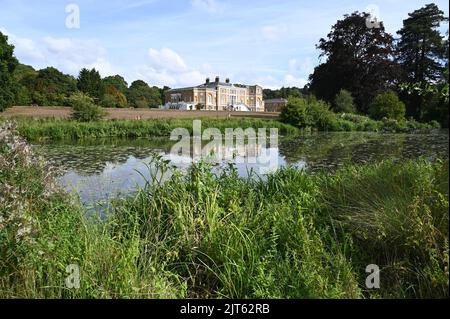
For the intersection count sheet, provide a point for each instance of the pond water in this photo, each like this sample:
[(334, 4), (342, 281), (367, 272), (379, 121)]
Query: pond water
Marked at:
[(103, 168)]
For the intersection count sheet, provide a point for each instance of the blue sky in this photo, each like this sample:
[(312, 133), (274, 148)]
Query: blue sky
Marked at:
[(181, 42)]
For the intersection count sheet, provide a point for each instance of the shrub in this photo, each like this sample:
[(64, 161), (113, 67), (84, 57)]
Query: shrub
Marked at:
[(343, 102), (295, 113), (387, 105), (108, 100), (307, 112), (141, 103), (84, 109)]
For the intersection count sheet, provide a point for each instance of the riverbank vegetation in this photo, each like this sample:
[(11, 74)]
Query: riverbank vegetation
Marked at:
[(54, 129), (69, 129), (293, 235)]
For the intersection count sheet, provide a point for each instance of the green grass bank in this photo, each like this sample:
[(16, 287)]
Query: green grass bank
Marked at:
[(67, 129), (59, 129)]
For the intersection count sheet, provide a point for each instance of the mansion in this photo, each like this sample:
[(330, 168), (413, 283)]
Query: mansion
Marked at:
[(217, 96)]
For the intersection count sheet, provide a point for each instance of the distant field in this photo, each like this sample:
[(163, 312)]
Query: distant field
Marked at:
[(127, 114)]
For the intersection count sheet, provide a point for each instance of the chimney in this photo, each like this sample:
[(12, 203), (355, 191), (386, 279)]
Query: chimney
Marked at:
[(227, 80), (207, 80), (217, 79)]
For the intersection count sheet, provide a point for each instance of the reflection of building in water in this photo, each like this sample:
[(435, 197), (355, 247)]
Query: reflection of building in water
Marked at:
[(242, 152)]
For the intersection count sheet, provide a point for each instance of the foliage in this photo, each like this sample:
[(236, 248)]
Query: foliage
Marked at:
[(387, 105), (84, 109), (8, 64), (284, 92), (140, 95), (358, 59), (307, 112), (63, 129), (117, 81), (434, 96), (344, 103), (90, 83), (112, 97), (422, 54)]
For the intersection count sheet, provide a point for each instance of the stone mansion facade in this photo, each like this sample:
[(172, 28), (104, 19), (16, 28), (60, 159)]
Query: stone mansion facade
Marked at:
[(219, 96)]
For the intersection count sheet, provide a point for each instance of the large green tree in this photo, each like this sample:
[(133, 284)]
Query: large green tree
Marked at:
[(284, 92), (116, 81), (90, 82), (8, 64), (25, 78), (422, 53), (358, 58), (141, 95), (51, 87)]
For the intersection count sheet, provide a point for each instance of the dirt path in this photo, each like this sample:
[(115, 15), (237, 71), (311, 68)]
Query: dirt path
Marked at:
[(129, 114)]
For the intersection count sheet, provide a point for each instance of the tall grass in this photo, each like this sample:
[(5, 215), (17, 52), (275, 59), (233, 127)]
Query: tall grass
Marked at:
[(65, 129), (205, 234)]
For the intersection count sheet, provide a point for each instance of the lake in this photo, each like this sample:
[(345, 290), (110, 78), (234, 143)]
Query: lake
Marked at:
[(103, 168)]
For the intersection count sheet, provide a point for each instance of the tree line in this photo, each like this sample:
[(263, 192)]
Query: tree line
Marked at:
[(23, 85)]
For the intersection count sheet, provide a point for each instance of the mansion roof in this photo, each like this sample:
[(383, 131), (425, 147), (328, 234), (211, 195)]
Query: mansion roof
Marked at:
[(212, 85)]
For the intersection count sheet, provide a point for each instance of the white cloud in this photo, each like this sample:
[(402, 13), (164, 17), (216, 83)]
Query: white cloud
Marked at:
[(207, 5), (269, 82), (274, 32), (166, 59), (66, 54), (166, 67), (290, 80), (71, 55), (304, 66), (24, 47)]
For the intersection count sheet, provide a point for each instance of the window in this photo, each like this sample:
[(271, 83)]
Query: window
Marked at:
[(209, 99)]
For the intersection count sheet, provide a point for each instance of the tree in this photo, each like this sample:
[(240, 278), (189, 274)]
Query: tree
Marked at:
[(422, 53), (8, 64), (25, 79), (112, 97), (49, 87), (163, 93), (387, 105), (90, 82), (155, 97), (284, 92), (358, 59), (141, 95), (84, 108), (51, 80), (116, 81), (344, 103)]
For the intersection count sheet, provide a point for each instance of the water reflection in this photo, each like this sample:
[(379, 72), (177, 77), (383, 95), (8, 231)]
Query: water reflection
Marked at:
[(101, 168)]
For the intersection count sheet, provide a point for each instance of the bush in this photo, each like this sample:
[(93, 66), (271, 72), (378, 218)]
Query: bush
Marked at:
[(308, 112), (84, 109), (387, 105), (343, 102), (114, 100)]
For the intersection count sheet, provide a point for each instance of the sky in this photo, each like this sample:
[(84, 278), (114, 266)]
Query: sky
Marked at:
[(181, 42)]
